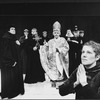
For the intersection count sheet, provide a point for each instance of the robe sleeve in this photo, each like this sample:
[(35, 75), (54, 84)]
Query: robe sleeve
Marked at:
[(92, 90), (68, 87), (6, 58), (64, 47)]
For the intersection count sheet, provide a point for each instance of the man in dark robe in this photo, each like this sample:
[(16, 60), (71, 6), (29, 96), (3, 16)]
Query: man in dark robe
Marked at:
[(24, 50), (34, 71), (10, 64)]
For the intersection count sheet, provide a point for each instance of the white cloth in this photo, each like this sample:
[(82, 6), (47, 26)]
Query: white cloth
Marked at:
[(53, 62), (59, 65)]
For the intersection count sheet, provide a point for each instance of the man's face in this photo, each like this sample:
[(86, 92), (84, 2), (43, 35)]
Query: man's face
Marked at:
[(12, 30), (88, 56), (34, 31), (76, 33), (56, 33), (25, 33), (45, 34), (82, 35)]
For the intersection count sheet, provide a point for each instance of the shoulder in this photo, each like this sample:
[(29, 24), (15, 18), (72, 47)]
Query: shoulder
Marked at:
[(51, 40), (62, 38), (97, 75), (95, 79)]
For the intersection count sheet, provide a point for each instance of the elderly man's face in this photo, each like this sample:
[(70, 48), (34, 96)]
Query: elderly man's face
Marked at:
[(56, 33), (88, 56)]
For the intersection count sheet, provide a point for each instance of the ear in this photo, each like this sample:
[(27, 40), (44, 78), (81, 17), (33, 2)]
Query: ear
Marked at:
[(97, 57)]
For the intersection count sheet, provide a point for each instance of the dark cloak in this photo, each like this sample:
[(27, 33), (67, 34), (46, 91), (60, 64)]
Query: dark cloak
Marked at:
[(89, 91), (11, 77), (34, 72)]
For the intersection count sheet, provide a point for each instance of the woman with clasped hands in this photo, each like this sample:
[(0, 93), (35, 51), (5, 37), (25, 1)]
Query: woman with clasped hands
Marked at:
[(85, 79)]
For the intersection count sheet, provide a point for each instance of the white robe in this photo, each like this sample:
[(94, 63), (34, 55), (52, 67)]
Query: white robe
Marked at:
[(54, 62)]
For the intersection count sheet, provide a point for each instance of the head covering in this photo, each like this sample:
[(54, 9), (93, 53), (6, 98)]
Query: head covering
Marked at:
[(25, 30), (69, 33), (56, 26)]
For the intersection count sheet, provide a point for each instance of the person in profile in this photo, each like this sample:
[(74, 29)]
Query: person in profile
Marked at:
[(10, 65), (85, 79)]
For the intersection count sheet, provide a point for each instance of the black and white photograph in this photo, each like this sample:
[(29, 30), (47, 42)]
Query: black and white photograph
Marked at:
[(50, 49)]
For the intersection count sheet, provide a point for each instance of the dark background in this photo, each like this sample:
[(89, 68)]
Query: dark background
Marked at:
[(43, 13)]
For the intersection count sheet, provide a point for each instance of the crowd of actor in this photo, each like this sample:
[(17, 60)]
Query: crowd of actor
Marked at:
[(69, 63)]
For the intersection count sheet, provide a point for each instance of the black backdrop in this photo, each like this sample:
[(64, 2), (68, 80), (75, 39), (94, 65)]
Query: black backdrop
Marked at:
[(42, 15)]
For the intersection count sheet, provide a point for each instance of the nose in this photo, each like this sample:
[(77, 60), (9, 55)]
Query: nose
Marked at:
[(84, 55)]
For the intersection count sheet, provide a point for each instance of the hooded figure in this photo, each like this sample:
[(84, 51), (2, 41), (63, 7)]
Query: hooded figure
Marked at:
[(10, 65)]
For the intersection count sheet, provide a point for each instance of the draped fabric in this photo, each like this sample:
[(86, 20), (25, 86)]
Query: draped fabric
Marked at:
[(54, 58), (34, 71), (11, 76)]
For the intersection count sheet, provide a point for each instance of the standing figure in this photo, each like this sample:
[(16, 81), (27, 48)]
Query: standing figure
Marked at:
[(10, 65), (74, 52), (54, 56), (45, 37), (24, 50), (35, 72), (85, 79), (81, 38)]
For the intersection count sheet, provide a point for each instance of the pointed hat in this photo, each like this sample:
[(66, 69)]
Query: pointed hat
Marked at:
[(57, 25)]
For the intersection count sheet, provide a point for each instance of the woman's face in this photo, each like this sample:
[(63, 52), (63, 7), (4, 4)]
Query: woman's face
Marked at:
[(88, 56)]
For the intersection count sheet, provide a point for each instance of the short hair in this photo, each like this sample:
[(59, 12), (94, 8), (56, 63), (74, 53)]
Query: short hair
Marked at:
[(94, 45)]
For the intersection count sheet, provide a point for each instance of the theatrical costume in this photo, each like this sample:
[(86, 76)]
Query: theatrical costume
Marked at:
[(34, 71), (54, 58), (90, 91), (11, 69)]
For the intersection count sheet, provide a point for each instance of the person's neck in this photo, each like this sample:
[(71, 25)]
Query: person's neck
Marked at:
[(90, 66), (56, 38)]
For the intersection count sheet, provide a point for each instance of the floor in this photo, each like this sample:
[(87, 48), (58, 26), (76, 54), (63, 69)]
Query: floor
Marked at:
[(42, 90)]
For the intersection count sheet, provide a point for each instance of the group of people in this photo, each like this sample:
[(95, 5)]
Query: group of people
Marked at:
[(30, 55), (77, 68)]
